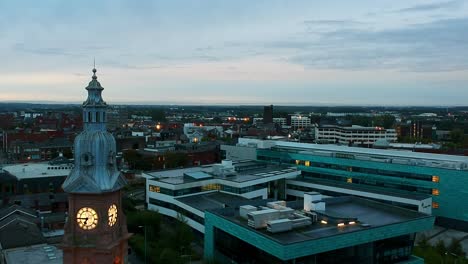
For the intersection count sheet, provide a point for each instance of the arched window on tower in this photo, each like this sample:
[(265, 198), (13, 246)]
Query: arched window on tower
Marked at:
[(98, 114), (89, 117), (103, 116)]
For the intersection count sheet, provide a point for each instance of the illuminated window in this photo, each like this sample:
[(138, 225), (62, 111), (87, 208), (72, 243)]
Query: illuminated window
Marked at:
[(307, 163), (435, 191), (211, 187), (340, 225), (324, 222), (349, 180), (435, 178), (297, 162), (435, 205), (153, 188)]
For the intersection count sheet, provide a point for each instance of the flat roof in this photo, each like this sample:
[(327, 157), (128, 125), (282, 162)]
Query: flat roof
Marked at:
[(404, 157), (369, 151), (37, 254), (354, 127), (38, 170), (366, 188), (244, 171), (369, 214), (214, 200)]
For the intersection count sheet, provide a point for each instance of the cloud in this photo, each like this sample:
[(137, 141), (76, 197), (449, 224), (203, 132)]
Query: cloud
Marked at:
[(48, 51), (434, 46), (450, 5), (332, 22)]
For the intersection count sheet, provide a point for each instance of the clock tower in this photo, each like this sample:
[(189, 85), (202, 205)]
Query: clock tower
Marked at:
[(96, 230)]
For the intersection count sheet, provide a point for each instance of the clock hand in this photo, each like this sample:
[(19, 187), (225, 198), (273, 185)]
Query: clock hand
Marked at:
[(86, 219)]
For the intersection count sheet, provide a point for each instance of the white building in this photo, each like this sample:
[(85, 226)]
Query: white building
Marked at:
[(195, 133), (280, 121), (298, 122), (358, 135), (190, 191)]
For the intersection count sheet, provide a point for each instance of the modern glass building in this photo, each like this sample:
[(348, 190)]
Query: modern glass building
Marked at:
[(334, 230), (430, 183)]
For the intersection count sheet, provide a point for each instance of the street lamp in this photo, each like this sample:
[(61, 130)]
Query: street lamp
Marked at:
[(144, 227)]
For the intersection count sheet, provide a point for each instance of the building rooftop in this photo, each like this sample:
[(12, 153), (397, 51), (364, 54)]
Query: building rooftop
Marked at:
[(37, 254), (215, 200), (389, 156), (18, 231), (238, 172), (355, 213), (38, 170), (356, 128), (368, 189)]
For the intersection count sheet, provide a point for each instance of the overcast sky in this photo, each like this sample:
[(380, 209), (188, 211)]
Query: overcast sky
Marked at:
[(386, 52)]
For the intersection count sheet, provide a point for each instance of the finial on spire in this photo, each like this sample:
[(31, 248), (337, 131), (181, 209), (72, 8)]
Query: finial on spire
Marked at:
[(94, 69)]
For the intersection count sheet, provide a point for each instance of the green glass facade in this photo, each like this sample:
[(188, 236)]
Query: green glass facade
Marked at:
[(288, 252), (448, 187)]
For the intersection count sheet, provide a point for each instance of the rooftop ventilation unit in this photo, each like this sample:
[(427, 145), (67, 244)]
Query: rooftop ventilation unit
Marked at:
[(244, 210), (223, 169), (310, 198), (259, 219)]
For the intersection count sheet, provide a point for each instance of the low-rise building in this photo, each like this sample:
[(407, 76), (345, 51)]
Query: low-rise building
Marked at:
[(315, 230), (354, 135), (33, 178), (172, 191)]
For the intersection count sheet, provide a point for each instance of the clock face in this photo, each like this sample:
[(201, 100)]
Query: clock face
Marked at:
[(87, 218), (112, 214)]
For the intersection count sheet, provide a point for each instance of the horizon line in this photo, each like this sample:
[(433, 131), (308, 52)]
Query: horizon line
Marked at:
[(230, 104)]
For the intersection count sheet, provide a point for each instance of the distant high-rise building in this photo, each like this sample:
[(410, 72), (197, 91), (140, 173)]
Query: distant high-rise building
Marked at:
[(96, 230), (268, 114)]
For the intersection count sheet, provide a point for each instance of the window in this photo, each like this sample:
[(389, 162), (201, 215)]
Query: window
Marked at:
[(153, 188), (210, 187), (297, 162), (435, 192), (307, 163), (435, 205), (435, 179), (349, 180)]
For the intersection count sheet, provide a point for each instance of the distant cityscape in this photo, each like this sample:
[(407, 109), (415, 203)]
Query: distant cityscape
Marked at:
[(244, 184)]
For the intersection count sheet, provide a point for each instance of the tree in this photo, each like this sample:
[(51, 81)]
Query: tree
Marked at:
[(170, 256), (174, 160), (183, 233), (149, 219), (440, 248), (457, 136), (455, 248), (385, 121), (157, 115), (128, 205), (423, 243)]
